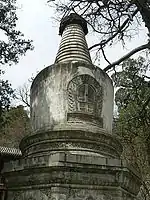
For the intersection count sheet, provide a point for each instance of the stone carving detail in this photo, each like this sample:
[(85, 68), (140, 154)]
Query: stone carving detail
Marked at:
[(85, 95), (107, 197), (64, 145), (79, 134), (86, 194), (90, 198), (104, 142), (46, 192), (30, 195), (15, 196)]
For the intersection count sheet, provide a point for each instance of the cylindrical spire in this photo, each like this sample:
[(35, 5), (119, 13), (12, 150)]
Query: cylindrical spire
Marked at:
[(73, 46)]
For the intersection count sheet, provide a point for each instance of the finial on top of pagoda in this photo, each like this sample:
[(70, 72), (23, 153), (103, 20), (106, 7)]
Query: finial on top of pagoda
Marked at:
[(73, 18)]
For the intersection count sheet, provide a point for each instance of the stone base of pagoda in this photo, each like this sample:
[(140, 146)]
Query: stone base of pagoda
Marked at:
[(79, 141), (65, 176)]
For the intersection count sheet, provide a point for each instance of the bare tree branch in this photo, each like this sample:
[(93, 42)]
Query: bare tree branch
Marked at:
[(112, 20), (148, 77), (105, 56), (140, 48), (104, 42), (23, 95)]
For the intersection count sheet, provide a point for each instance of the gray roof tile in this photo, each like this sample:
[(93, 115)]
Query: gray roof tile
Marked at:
[(10, 152)]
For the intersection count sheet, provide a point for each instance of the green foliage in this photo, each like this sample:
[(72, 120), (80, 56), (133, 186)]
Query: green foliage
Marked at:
[(6, 94), (14, 45), (133, 98), (133, 121), (11, 48), (16, 127)]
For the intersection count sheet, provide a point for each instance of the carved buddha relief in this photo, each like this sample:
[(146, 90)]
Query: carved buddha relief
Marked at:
[(85, 96)]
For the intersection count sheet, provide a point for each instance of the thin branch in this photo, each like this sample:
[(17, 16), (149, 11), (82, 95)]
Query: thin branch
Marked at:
[(105, 56), (145, 76), (88, 5), (140, 48), (23, 95), (104, 42)]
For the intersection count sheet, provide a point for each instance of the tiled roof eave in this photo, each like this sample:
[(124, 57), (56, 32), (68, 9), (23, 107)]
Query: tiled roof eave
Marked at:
[(10, 153)]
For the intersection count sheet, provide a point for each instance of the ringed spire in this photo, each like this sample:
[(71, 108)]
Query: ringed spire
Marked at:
[(73, 45)]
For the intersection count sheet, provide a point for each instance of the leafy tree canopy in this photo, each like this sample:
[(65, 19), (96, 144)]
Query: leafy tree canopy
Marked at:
[(16, 127), (133, 120), (133, 97), (6, 94), (11, 48), (14, 45)]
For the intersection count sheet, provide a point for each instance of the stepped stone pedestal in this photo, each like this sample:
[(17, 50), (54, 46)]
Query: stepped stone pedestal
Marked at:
[(71, 176), (72, 153)]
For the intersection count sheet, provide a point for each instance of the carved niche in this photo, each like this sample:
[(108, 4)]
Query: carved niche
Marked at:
[(85, 97)]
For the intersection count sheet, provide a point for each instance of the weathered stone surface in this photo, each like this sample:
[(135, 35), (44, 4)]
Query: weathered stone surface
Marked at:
[(76, 171), (72, 154), (51, 97), (71, 141), (80, 176), (63, 193)]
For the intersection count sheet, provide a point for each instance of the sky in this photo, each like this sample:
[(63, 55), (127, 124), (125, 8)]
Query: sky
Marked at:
[(37, 23)]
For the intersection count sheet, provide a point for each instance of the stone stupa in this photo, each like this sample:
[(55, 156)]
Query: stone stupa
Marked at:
[(72, 153)]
